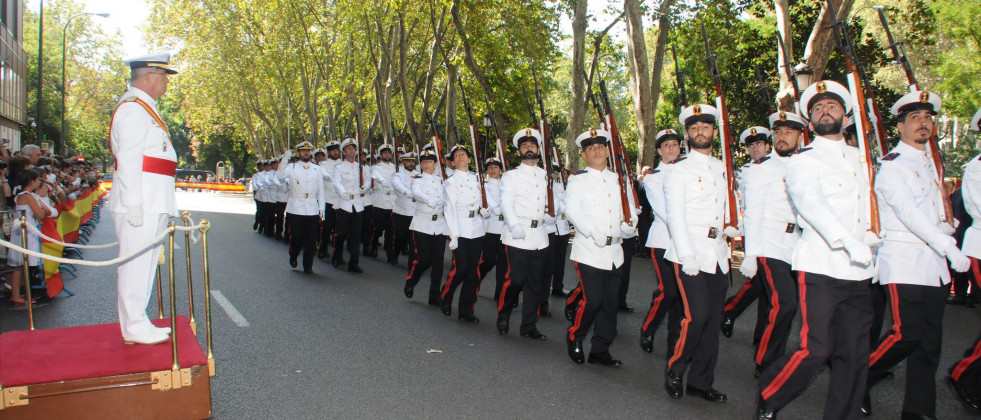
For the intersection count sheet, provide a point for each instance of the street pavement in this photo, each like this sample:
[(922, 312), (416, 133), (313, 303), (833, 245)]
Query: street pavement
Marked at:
[(341, 345)]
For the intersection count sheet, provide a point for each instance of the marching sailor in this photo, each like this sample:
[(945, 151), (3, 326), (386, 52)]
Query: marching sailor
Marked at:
[(305, 207), (558, 241), (428, 227), (330, 215), (352, 183), (280, 194), (493, 253), (404, 208), (384, 201), (465, 222)]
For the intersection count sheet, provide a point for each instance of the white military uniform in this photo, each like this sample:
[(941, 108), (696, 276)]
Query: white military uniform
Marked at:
[(402, 186), (769, 219), (971, 193), (695, 203), (462, 205), (428, 192), (658, 237), (383, 196), (331, 191), (523, 192), (306, 194), (559, 224), (495, 223), (144, 183), (593, 206), (347, 183)]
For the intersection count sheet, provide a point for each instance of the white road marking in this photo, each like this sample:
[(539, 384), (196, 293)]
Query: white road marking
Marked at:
[(233, 313)]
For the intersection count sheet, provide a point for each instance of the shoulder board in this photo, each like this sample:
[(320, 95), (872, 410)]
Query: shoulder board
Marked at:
[(656, 171), (130, 99), (579, 172), (890, 156), (651, 171), (677, 160), (417, 176), (761, 160), (802, 150)]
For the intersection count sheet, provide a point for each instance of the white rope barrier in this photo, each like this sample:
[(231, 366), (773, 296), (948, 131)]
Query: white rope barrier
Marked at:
[(113, 261), (37, 232)]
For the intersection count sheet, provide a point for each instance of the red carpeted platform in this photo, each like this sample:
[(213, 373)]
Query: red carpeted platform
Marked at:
[(92, 351)]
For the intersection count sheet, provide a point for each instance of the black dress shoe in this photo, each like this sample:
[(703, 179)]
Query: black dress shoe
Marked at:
[(672, 384), (392, 260), (763, 411), (307, 271), (866, 404), (534, 335), (338, 261), (758, 372), (502, 324), (408, 290), (558, 293), (354, 269), (469, 318), (570, 312), (545, 313), (625, 308), (575, 351), (293, 262), (965, 394), (707, 394), (647, 343), (909, 415), (603, 359), (446, 308), (321, 254), (727, 326)]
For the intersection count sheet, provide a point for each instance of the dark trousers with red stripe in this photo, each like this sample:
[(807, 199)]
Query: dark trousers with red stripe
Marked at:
[(429, 254), (381, 226), (967, 371), (597, 308), (401, 236), (349, 229), (524, 276), (665, 301), (836, 315), (491, 257), (463, 274), (279, 214), (917, 329), (304, 237), (555, 262), (629, 246), (880, 296), (697, 350), (751, 292), (780, 291), (367, 240), (327, 227)]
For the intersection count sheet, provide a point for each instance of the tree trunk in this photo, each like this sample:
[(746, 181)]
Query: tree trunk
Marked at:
[(663, 28), (640, 85), (785, 96), (821, 42), (450, 136), (578, 113)]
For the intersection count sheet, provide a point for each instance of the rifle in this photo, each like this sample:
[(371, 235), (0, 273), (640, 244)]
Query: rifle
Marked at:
[(763, 91), (899, 56), (862, 124), (497, 132), (357, 136), (436, 140), (474, 143), (792, 76), (546, 146), (726, 130), (621, 162), (679, 81)]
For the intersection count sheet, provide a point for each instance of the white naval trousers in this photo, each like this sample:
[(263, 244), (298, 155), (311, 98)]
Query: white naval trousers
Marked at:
[(135, 275)]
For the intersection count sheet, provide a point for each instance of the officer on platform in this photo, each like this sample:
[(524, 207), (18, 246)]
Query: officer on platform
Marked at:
[(594, 206), (351, 182), (305, 207), (404, 209), (428, 227), (465, 222)]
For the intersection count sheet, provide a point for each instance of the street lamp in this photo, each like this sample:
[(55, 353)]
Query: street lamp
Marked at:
[(64, 82)]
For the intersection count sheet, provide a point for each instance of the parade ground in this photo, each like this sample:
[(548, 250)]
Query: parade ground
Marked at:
[(341, 345)]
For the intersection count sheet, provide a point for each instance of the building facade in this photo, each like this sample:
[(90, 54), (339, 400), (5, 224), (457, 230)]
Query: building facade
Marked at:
[(13, 73)]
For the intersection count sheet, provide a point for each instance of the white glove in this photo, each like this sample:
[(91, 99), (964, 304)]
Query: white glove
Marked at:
[(947, 228), (858, 252), (748, 268), (287, 156), (134, 216), (517, 232), (958, 261), (871, 239), (496, 211), (628, 229), (732, 231), (600, 241), (484, 212), (453, 244), (549, 219), (689, 265), (322, 214), (432, 202)]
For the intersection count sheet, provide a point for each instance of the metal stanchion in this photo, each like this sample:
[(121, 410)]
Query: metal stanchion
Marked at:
[(160, 301), (27, 272), (173, 299), (207, 295), (186, 217)]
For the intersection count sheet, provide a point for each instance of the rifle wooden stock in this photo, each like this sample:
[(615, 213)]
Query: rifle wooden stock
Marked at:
[(725, 128)]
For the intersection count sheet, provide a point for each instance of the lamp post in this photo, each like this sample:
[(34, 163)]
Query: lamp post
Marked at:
[(64, 82)]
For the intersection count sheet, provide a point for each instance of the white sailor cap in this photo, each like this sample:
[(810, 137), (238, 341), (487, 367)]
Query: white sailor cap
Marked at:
[(698, 113), (160, 61), (787, 119), (333, 144), (915, 101), (349, 142), (754, 134), (976, 121), (319, 151), (304, 146), (364, 152), (665, 135), (527, 134), (493, 161), (428, 155), (408, 156), (383, 147), (591, 137), (400, 149), (455, 148), (430, 146), (821, 90)]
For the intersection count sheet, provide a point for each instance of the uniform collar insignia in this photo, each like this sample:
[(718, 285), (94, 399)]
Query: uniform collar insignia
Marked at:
[(890, 156)]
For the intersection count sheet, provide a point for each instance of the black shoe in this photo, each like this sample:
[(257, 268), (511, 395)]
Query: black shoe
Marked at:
[(575, 351), (534, 335), (866, 404), (255, 226), (502, 324), (624, 308), (707, 394), (408, 290), (545, 313), (727, 326), (558, 293), (763, 411), (373, 253), (446, 308), (278, 236), (964, 394), (956, 300), (354, 269), (338, 260), (758, 372), (672, 384), (647, 343), (909, 415), (307, 271), (293, 261), (469, 318), (321, 254), (392, 260), (570, 312), (603, 359)]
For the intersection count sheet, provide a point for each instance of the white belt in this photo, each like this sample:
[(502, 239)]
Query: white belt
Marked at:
[(297, 194), (900, 236), (711, 232), (781, 226)]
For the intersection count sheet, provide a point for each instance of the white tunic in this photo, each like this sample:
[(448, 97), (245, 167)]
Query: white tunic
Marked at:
[(306, 187), (594, 207), (558, 225), (495, 222), (695, 201), (383, 196), (658, 237), (523, 198), (971, 193), (328, 165), (347, 183), (405, 205), (463, 200), (428, 192), (769, 219)]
